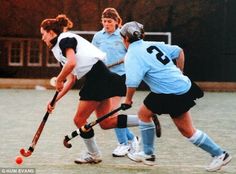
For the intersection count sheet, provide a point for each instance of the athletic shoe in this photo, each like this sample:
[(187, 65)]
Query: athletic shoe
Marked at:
[(88, 158), (135, 144), (142, 157), (157, 125), (218, 162), (121, 150)]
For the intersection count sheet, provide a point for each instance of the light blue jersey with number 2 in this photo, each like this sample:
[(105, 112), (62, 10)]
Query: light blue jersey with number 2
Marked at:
[(153, 63)]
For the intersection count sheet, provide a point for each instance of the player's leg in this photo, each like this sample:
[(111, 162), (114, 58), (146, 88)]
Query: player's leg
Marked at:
[(116, 121), (147, 129), (123, 146), (84, 110), (127, 140), (202, 140), (134, 141)]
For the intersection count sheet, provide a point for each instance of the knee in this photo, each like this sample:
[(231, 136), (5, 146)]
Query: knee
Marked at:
[(187, 133), (145, 117), (78, 122)]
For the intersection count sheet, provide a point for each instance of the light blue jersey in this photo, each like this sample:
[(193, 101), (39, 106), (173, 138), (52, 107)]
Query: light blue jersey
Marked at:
[(152, 63), (112, 45)]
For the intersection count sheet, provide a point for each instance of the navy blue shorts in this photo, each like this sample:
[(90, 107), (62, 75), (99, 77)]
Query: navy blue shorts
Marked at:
[(100, 83), (174, 105)]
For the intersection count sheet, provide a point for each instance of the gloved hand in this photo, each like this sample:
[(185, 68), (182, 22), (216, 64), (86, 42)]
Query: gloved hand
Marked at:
[(125, 106)]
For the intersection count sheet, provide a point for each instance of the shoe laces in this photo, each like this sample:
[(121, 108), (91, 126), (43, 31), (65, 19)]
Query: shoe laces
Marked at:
[(216, 159), (89, 155), (135, 144), (121, 146)]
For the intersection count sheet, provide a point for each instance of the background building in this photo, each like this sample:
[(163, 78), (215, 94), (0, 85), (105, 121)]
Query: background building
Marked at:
[(205, 29)]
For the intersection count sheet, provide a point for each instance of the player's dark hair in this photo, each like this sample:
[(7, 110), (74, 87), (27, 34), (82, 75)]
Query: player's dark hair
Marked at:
[(58, 25), (136, 36)]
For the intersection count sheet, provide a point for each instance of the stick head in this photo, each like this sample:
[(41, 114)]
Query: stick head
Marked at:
[(25, 153), (65, 142)]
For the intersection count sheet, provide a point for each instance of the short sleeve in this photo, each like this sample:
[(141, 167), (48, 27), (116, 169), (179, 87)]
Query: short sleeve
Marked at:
[(172, 50), (66, 43)]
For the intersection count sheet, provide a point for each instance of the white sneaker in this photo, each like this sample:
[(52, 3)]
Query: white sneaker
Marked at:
[(218, 162), (121, 150), (142, 157), (135, 145), (88, 158)]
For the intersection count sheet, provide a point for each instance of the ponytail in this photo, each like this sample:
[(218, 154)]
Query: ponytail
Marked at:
[(58, 25), (64, 21)]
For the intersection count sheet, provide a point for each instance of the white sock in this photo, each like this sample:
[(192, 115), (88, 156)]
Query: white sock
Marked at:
[(91, 145), (132, 120)]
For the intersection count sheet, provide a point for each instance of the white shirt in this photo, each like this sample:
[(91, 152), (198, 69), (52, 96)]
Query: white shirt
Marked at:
[(86, 53)]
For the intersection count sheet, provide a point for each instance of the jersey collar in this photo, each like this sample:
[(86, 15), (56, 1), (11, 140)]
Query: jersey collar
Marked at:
[(116, 32), (136, 43), (54, 41)]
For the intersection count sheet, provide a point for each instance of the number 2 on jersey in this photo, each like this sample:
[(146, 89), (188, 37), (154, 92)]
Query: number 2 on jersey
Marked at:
[(159, 54)]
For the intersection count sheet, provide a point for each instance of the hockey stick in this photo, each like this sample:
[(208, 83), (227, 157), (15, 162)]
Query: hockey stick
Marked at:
[(27, 153), (116, 63), (86, 127), (157, 125)]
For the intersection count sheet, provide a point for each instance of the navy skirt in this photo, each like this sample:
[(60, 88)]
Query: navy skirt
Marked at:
[(100, 83), (174, 105)]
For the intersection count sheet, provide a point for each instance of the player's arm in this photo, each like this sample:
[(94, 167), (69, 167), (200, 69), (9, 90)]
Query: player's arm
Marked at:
[(176, 54), (65, 75), (180, 61), (70, 81), (129, 95), (67, 69)]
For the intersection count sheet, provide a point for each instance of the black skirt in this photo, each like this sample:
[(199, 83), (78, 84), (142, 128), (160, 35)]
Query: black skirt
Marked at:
[(100, 83), (174, 105)]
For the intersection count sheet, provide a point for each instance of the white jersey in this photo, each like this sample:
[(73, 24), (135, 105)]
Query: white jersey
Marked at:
[(86, 53)]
